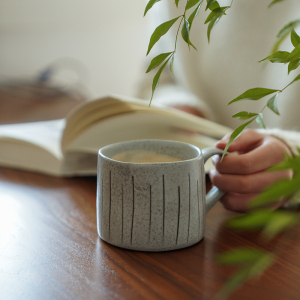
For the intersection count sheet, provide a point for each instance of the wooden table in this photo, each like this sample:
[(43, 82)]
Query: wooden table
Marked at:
[(49, 249)]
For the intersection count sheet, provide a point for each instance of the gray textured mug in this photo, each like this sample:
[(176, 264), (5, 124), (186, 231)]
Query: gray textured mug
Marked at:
[(153, 206)]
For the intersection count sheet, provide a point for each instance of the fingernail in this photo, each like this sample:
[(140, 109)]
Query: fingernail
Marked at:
[(215, 159), (220, 144)]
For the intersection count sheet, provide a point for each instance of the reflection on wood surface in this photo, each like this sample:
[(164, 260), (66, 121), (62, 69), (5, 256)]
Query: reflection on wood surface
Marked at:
[(49, 249)]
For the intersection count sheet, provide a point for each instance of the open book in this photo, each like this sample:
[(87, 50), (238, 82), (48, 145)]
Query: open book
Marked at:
[(68, 147)]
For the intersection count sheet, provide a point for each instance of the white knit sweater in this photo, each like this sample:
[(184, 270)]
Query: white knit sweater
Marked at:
[(220, 71)]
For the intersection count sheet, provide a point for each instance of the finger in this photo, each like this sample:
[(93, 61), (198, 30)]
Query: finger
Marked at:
[(246, 140), (246, 184), (240, 202), (237, 202), (269, 153)]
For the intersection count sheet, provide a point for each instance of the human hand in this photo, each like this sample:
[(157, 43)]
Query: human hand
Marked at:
[(244, 176)]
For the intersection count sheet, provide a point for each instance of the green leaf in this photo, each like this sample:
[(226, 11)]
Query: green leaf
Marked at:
[(260, 121), (239, 256), (159, 32), (190, 4), (194, 14), (294, 202), (233, 283), (209, 3), (293, 65), (250, 221), (149, 5), (282, 188), (214, 13), (283, 34), (290, 163), (157, 60), (295, 39), (270, 221), (277, 57), (254, 270), (272, 104), (235, 134), (294, 54), (185, 32), (274, 2), (244, 115), (296, 79), (253, 94), (156, 79), (261, 265), (172, 65), (214, 6), (279, 42), (215, 19), (176, 2), (288, 28), (280, 221)]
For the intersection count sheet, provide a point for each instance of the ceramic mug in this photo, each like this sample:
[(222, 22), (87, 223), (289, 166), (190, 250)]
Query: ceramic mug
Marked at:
[(153, 206)]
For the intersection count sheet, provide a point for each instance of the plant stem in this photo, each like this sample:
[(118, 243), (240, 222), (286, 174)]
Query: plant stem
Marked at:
[(178, 32), (286, 86), (263, 108)]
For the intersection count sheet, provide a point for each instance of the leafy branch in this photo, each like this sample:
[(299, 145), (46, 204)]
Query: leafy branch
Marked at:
[(251, 262), (264, 218), (293, 60), (216, 12)]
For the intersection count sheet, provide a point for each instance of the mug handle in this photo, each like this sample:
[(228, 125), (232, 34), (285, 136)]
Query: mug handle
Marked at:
[(214, 194)]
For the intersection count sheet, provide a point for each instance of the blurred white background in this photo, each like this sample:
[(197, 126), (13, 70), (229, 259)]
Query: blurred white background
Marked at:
[(105, 42)]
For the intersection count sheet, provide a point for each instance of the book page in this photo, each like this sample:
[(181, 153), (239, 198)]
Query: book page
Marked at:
[(45, 134), (90, 113), (135, 126)]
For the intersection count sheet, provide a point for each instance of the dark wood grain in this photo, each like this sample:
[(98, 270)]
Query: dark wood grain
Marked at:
[(30, 102), (50, 249)]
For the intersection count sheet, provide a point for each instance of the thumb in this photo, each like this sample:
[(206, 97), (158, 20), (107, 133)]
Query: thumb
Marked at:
[(247, 139)]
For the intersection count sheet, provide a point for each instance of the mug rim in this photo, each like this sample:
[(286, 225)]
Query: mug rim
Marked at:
[(199, 152)]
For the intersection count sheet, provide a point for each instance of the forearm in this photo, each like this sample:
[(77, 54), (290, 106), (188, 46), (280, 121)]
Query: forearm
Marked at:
[(170, 93)]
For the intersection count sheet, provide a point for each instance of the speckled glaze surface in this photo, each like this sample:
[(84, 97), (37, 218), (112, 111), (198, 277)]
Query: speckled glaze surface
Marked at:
[(151, 206)]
